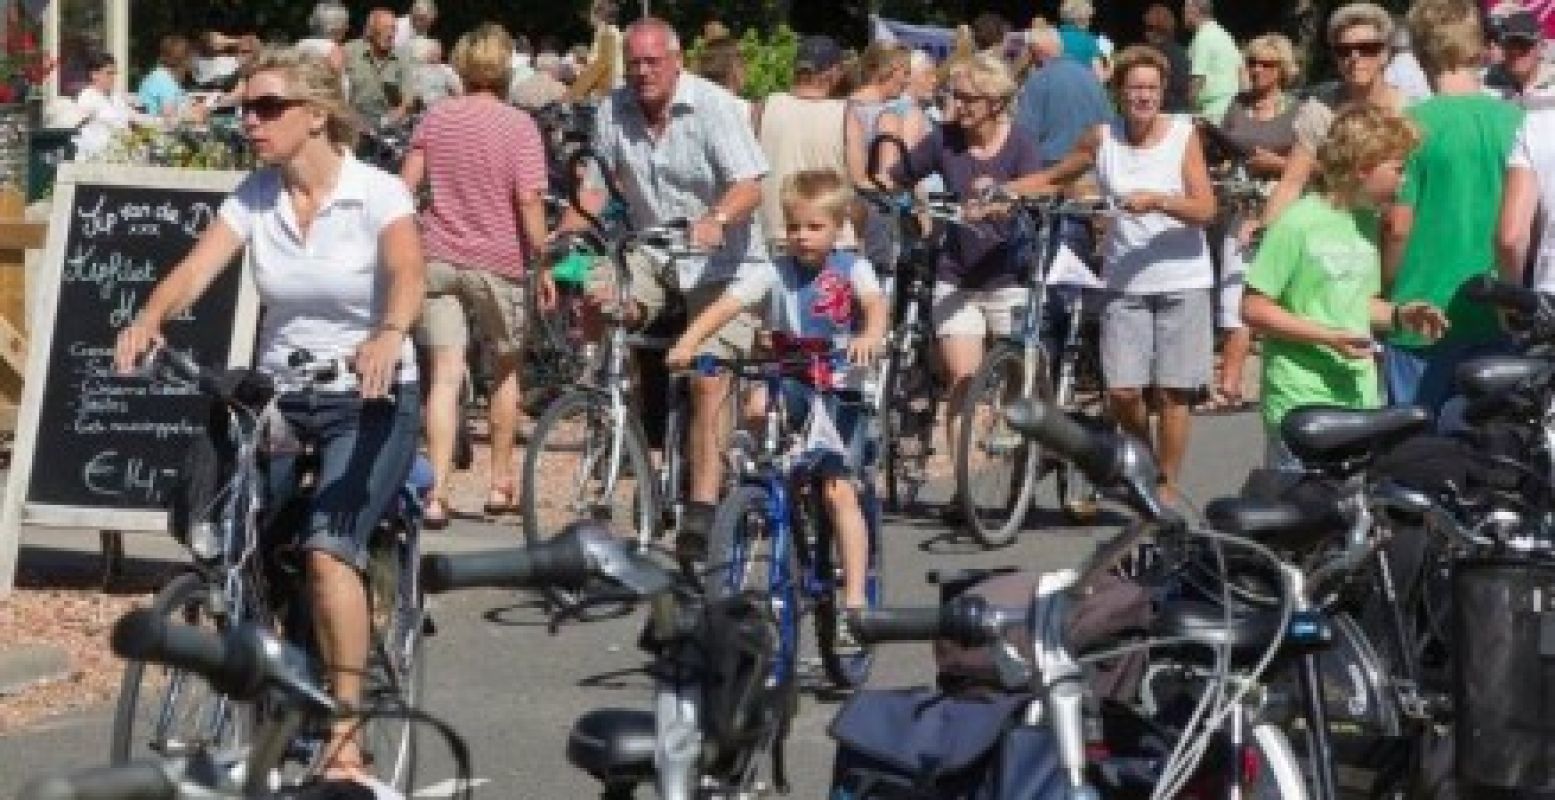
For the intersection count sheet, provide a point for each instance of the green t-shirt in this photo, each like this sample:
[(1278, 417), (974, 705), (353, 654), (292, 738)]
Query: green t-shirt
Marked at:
[(1216, 59), (1453, 183), (1319, 263)]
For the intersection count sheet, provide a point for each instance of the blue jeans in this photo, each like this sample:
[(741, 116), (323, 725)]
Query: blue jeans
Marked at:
[(1424, 376), (364, 451)]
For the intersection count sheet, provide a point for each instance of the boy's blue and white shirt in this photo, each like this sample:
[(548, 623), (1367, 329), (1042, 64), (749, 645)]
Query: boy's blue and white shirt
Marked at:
[(803, 301)]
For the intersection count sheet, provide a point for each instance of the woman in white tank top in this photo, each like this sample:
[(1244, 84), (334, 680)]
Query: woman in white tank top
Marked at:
[(1157, 326)]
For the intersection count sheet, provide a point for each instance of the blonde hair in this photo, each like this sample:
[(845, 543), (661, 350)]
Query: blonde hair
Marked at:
[(1076, 11), (1446, 34), (822, 188), (880, 58), (1355, 15), (483, 58), (990, 75), (1135, 56), (1362, 136), (1280, 48), (310, 79)]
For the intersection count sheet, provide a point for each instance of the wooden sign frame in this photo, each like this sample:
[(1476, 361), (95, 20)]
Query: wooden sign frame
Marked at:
[(16, 512)]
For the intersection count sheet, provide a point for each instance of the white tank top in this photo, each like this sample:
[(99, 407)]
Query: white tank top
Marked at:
[(1150, 253)]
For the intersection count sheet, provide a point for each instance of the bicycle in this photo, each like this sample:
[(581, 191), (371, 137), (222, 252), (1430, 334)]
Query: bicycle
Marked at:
[(234, 580), (714, 713), (770, 535), (997, 472), (249, 664)]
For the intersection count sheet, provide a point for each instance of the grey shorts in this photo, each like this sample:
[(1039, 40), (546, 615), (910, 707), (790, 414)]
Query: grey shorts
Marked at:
[(1165, 340), (455, 294), (653, 286)]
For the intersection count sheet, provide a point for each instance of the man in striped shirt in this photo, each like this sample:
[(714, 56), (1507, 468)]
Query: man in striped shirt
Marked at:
[(680, 147)]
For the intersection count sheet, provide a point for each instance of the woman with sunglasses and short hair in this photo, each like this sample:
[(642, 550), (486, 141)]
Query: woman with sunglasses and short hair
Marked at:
[(1358, 36), (337, 260), (1261, 123)]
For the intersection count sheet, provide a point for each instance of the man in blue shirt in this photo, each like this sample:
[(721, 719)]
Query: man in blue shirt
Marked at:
[(1062, 99)]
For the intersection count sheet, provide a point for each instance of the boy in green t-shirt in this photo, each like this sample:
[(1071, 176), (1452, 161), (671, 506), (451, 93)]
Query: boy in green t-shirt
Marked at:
[(1313, 288)]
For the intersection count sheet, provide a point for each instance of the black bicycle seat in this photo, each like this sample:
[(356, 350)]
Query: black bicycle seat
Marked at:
[(1204, 627), (1282, 525), (1491, 376), (1329, 434), (614, 745)]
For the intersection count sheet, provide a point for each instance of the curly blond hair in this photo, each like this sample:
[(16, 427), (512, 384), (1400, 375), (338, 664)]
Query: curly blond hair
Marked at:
[(1363, 136)]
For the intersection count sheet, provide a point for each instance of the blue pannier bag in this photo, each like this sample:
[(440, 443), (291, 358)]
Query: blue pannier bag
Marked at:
[(921, 744)]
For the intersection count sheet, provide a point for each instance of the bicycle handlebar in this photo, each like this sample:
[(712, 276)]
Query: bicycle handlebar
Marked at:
[(1485, 289), (583, 550), (239, 663), (967, 620), (138, 781)]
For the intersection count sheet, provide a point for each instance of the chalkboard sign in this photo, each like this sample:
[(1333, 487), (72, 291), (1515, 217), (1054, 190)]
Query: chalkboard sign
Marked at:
[(96, 449)]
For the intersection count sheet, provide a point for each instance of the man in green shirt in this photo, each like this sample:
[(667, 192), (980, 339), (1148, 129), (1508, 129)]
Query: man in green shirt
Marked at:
[(1441, 231), (1217, 63), (1312, 290)]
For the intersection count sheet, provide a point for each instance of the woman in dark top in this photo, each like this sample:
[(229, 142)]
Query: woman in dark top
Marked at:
[(1261, 123), (978, 283)]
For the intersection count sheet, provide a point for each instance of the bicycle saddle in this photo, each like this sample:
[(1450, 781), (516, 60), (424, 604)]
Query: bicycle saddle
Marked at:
[(1282, 525), (1490, 376), (1328, 434), (1204, 624), (614, 745)]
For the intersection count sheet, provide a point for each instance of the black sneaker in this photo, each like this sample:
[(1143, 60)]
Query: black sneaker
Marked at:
[(691, 539)]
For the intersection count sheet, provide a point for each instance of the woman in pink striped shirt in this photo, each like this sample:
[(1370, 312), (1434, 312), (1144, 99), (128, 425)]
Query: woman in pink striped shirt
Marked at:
[(485, 163)]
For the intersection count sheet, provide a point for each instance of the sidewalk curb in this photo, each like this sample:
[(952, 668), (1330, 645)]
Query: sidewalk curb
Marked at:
[(29, 665)]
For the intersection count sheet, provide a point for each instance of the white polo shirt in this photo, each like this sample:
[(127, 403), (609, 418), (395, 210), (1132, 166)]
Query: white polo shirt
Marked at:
[(327, 292)]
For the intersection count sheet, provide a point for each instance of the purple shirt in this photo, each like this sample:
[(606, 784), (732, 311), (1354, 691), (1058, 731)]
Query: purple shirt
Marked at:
[(979, 256)]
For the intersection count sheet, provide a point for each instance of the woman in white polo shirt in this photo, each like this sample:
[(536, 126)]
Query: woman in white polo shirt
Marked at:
[(337, 260)]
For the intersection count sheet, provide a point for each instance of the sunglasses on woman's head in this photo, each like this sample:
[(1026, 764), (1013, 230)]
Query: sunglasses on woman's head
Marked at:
[(1368, 49), (269, 107)]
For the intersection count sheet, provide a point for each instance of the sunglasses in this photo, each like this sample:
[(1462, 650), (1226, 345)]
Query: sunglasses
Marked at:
[(1263, 63), (1343, 51), (268, 107)]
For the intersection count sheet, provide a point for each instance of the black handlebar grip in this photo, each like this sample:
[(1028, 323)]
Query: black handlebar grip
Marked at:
[(560, 562), (963, 620), (1485, 289), (141, 781), (1094, 453), (230, 663)]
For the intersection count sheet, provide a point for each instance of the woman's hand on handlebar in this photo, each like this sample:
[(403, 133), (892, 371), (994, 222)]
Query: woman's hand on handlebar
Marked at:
[(135, 342), (376, 360)]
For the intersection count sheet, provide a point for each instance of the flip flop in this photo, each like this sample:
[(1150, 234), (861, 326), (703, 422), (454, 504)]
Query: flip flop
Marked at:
[(436, 521), (504, 505)]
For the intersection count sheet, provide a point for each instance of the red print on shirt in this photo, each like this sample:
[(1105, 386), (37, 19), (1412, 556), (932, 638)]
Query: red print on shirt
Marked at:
[(833, 298)]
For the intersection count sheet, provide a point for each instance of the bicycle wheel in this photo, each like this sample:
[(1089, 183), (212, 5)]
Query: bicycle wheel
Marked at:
[(165, 712), (740, 547), (907, 423), (996, 468), (396, 669), (577, 468), (846, 669), (1272, 770)]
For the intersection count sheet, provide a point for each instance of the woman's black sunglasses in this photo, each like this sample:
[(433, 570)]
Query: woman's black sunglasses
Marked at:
[(269, 107), (1368, 49)]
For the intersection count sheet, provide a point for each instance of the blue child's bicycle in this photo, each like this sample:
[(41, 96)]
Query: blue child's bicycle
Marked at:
[(771, 535)]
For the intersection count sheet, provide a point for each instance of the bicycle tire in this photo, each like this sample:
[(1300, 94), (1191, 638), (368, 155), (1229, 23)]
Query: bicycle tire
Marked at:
[(583, 416), (1278, 773), (1010, 474), (907, 418), (396, 667), (852, 670), (187, 596)]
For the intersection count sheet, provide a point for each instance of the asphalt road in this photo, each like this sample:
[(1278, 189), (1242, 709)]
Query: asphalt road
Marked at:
[(513, 690)]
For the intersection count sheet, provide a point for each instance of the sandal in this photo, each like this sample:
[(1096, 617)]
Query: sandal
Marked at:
[(500, 501), (1219, 401), (437, 515)]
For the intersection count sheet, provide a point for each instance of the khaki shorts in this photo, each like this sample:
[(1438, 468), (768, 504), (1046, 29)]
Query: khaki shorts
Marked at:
[(976, 312), (454, 294), (653, 288)]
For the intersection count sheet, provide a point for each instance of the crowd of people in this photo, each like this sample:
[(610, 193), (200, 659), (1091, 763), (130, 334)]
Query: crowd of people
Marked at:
[(1376, 210)]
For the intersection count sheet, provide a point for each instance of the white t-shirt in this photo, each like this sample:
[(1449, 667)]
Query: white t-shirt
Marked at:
[(326, 293), (1534, 149), (1150, 253)]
